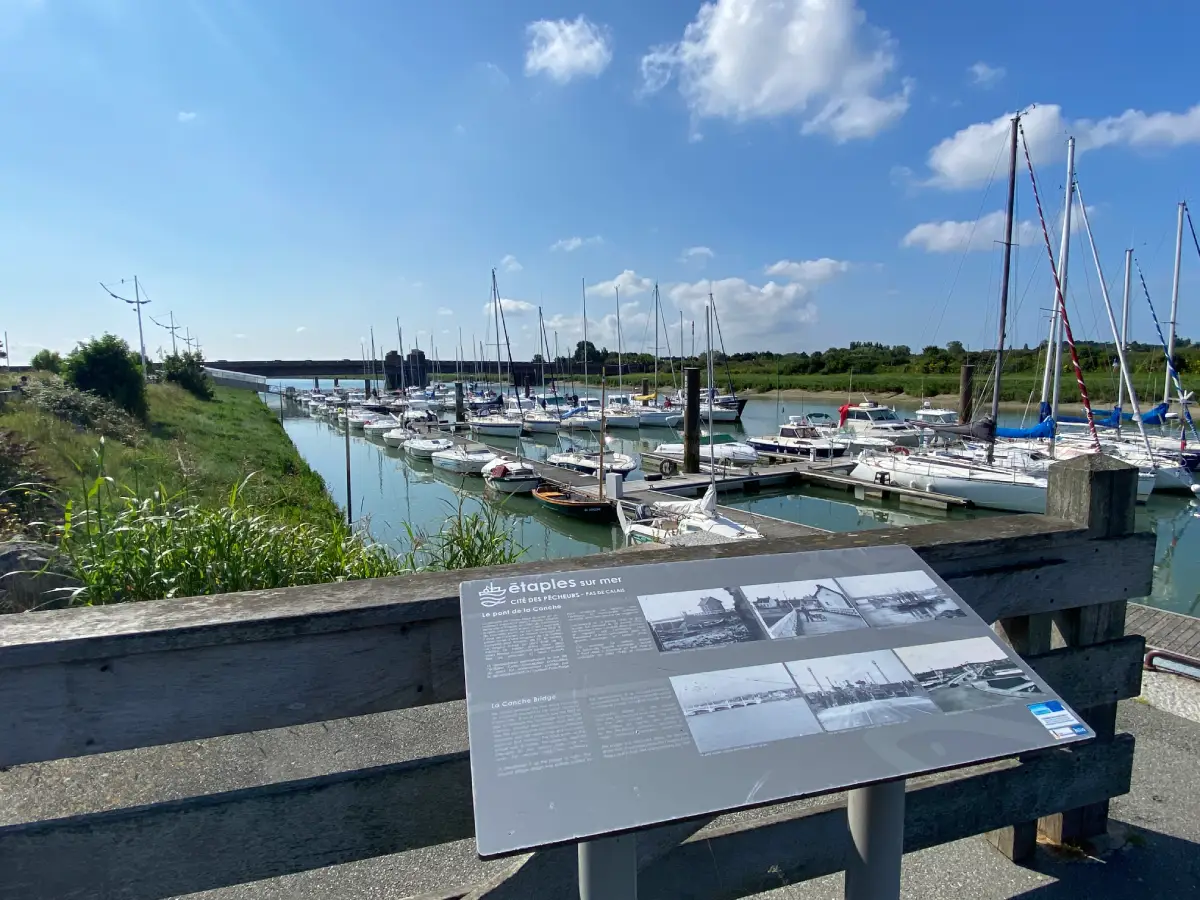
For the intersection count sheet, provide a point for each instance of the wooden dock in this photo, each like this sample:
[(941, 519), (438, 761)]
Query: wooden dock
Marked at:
[(1170, 631)]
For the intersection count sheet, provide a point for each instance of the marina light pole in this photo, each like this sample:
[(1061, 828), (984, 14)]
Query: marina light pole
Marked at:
[(137, 303)]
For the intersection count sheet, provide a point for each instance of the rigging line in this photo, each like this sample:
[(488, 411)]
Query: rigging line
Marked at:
[(1170, 364), (1188, 212), (1058, 295), (962, 259)]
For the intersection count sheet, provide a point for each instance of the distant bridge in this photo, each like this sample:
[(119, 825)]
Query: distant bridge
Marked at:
[(415, 368)]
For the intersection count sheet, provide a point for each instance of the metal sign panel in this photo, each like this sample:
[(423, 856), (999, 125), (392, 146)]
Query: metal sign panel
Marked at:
[(614, 699)]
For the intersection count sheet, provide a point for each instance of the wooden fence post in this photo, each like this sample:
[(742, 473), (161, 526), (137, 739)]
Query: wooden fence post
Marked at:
[(1098, 493)]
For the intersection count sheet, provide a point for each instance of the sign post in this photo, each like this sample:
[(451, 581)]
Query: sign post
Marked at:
[(604, 701)]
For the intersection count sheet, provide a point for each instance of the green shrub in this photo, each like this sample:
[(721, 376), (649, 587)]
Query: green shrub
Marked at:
[(46, 361), (84, 410), (187, 371), (103, 366)]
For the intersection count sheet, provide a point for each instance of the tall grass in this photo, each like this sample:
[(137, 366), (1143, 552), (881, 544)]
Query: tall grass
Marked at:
[(126, 546)]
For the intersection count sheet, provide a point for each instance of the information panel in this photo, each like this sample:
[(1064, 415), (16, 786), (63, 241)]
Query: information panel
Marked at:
[(612, 699)]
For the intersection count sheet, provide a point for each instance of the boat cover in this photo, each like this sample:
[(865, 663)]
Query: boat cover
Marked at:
[(1043, 429)]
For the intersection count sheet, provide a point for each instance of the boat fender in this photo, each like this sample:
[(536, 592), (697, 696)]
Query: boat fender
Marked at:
[(668, 467)]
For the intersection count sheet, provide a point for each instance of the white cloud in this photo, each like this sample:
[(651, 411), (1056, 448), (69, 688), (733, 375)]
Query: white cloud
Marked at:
[(750, 314), (629, 281), (969, 157), (574, 243), (700, 253), (185, 117), (300, 328), (986, 233), (509, 264), (986, 76), (509, 307), (815, 59), (809, 271), (239, 336), (494, 74), (565, 49), (445, 311)]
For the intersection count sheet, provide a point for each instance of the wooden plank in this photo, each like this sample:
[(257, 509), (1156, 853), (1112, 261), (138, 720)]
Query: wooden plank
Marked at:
[(744, 859), (1164, 630), (199, 843), (88, 706), (1002, 566), (206, 842)]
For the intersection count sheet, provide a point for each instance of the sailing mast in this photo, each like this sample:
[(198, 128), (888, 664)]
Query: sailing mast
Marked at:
[(712, 457), (496, 315), (400, 338), (544, 348), (583, 287), (620, 376), (721, 337), (1174, 300), (600, 468), (1004, 273), (1060, 289), (1112, 322), (1124, 328)]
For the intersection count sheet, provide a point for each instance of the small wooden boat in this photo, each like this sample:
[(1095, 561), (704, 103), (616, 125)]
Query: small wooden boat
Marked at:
[(574, 504)]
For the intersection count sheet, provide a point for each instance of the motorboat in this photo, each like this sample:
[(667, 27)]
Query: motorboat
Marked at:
[(377, 428), (871, 419), (589, 463), (496, 426), (575, 504), (991, 487), (929, 414), (464, 459), (799, 439), (682, 522), (509, 476), (397, 436), (541, 421), (719, 448), (424, 448), (357, 419)]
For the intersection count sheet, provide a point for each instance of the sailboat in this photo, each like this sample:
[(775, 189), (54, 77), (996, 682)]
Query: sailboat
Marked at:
[(541, 419), (496, 424), (654, 415), (676, 522), (575, 503)]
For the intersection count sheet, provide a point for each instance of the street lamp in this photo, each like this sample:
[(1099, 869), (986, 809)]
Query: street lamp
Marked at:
[(137, 303)]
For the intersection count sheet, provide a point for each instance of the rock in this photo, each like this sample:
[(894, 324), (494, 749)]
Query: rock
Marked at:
[(31, 576)]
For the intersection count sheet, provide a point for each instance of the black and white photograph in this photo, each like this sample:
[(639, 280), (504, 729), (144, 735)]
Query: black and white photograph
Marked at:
[(743, 707), (861, 690), (689, 620), (898, 598), (969, 674), (802, 608)]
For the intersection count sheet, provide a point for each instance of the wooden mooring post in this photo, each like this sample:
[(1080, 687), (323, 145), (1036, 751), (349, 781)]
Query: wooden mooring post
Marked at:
[(691, 420), (966, 392), (84, 681)]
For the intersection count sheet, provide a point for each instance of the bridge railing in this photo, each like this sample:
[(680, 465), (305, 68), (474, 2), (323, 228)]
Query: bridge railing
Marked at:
[(86, 681)]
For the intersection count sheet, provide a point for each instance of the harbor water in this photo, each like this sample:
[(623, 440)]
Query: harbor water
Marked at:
[(395, 496)]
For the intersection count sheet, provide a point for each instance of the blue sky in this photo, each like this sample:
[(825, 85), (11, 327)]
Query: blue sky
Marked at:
[(285, 174)]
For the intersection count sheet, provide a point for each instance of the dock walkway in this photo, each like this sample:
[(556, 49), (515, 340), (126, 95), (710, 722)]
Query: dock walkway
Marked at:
[(1163, 630)]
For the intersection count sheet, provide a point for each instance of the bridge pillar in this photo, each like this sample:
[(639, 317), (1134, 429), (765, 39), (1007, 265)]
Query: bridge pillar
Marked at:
[(316, 384)]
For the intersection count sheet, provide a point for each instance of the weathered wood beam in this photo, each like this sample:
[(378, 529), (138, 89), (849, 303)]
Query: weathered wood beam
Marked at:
[(207, 842)]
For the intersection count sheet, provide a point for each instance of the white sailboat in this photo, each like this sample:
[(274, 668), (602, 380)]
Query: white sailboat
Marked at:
[(682, 522)]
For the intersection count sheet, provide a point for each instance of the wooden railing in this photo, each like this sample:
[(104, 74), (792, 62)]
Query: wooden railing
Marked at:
[(86, 681)]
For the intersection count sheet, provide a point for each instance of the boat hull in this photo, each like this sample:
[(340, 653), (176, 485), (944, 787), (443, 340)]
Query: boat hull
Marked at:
[(1014, 496), (598, 511), (658, 418), (542, 426), (522, 485), (498, 429)]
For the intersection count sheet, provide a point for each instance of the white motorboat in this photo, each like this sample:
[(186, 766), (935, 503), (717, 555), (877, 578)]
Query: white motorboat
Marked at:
[(541, 421), (357, 419), (721, 448), (798, 439), (509, 476), (496, 426), (682, 522), (466, 459), (397, 436), (991, 487), (380, 426), (424, 448), (934, 415), (589, 463), (870, 419)]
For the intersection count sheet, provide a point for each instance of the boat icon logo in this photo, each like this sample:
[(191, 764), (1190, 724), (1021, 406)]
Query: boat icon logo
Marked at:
[(493, 594)]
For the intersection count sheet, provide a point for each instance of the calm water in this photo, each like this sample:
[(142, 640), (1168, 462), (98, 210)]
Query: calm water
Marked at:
[(389, 490)]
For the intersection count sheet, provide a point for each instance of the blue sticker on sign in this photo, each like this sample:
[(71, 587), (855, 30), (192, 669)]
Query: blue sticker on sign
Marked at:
[(1079, 729), (1052, 714)]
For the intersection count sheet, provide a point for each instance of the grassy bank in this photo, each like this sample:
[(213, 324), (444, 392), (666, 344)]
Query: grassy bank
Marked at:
[(189, 446)]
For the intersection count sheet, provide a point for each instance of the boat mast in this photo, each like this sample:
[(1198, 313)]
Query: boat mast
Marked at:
[(1174, 301), (620, 375), (1124, 328), (600, 468), (400, 338), (1112, 322), (1004, 274), (507, 350), (656, 343), (496, 316), (721, 337), (545, 349), (712, 457), (583, 288), (1060, 289)]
